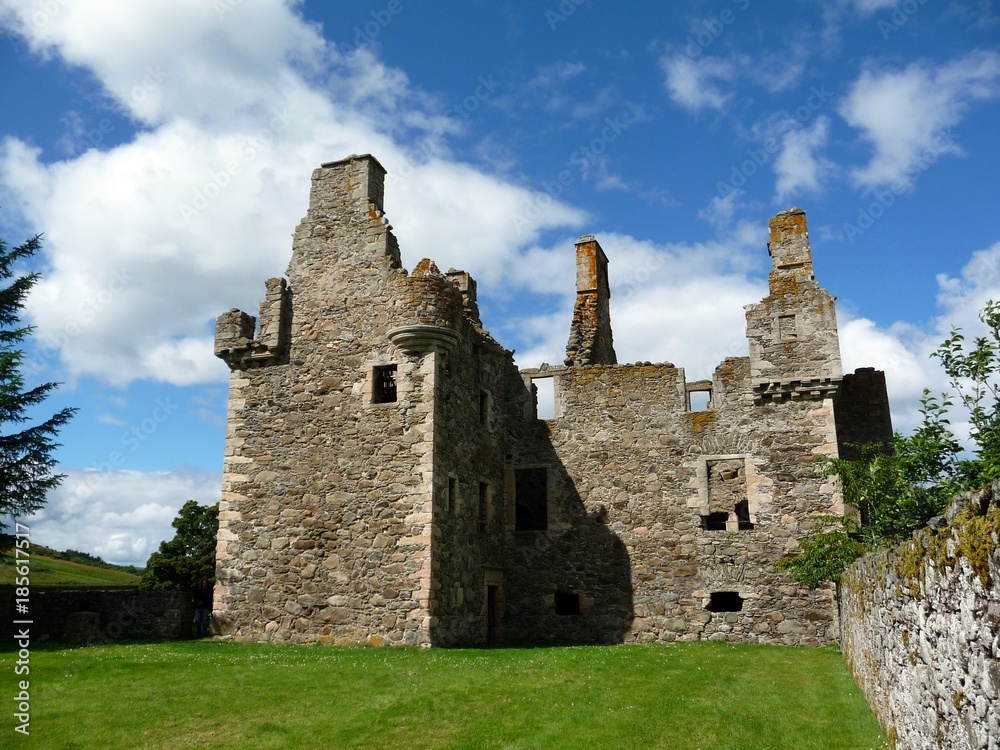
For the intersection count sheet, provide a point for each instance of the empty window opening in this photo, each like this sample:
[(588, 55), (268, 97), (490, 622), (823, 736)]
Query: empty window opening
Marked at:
[(484, 505), (787, 329), (725, 601), (451, 497), (484, 407), (727, 495), (699, 395), (743, 515), (700, 400), (567, 603), (545, 398), (384, 384), (531, 512), (714, 521)]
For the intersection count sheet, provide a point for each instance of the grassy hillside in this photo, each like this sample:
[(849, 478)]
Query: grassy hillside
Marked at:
[(210, 694), (52, 568)]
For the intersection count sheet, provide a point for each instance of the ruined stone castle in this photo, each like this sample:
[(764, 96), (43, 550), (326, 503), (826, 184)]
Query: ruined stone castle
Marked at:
[(388, 479)]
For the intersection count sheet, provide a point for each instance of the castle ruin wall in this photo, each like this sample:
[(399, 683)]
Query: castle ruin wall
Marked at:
[(387, 479)]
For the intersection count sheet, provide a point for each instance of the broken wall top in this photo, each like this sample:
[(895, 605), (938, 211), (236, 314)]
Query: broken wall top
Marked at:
[(792, 333)]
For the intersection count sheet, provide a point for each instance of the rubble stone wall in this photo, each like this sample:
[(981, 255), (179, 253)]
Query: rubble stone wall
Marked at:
[(324, 524), (92, 615), (480, 394), (920, 630), (631, 490), (378, 437)]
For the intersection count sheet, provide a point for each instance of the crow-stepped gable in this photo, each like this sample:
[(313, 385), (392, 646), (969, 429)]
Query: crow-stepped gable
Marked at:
[(388, 481)]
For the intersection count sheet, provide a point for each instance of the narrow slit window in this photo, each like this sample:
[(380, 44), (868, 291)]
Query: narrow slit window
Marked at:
[(484, 407), (451, 498), (545, 398), (567, 603), (384, 384)]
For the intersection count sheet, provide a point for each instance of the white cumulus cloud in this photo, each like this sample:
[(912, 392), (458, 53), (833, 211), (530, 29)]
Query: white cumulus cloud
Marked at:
[(798, 167), (690, 81), (906, 114), (678, 302), (121, 516), (149, 240), (904, 351)]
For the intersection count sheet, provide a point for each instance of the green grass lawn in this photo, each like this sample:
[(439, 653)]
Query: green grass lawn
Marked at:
[(204, 694)]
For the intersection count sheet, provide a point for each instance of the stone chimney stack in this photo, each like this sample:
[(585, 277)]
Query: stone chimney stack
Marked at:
[(361, 177), (788, 246), (792, 333), (345, 231), (590, 339)]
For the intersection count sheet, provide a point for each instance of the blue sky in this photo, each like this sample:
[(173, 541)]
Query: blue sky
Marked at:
[(164, 149)]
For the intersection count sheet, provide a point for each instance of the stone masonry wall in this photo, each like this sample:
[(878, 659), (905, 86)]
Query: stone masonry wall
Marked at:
[(634, 467), (472, 460), (387, 480), (324, 527), (862, 411), (91, 615), (345, 517), (792, 333), (920, 630)]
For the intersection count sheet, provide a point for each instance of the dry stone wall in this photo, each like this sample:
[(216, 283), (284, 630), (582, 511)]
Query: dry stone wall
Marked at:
[(920, 629)]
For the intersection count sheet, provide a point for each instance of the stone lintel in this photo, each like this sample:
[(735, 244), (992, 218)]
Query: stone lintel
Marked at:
[(698, 385)]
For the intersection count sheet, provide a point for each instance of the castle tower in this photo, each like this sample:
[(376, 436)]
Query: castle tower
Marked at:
[(387, 480), (794, 348), (590, 340), (345, 234)]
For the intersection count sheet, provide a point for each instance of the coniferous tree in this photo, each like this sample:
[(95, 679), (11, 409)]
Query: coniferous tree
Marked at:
[(26, 462)]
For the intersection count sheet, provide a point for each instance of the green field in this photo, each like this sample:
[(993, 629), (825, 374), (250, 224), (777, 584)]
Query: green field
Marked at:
[(51, 571), (205, 694)]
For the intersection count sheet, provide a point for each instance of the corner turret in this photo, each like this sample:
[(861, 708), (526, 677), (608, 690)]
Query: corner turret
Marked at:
[(234, 330)]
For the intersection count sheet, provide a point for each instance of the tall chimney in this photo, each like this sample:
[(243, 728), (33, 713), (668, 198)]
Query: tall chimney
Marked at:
[(590, 339)]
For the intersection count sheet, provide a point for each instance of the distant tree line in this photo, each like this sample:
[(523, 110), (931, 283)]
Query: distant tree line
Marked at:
[(72, 555)]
